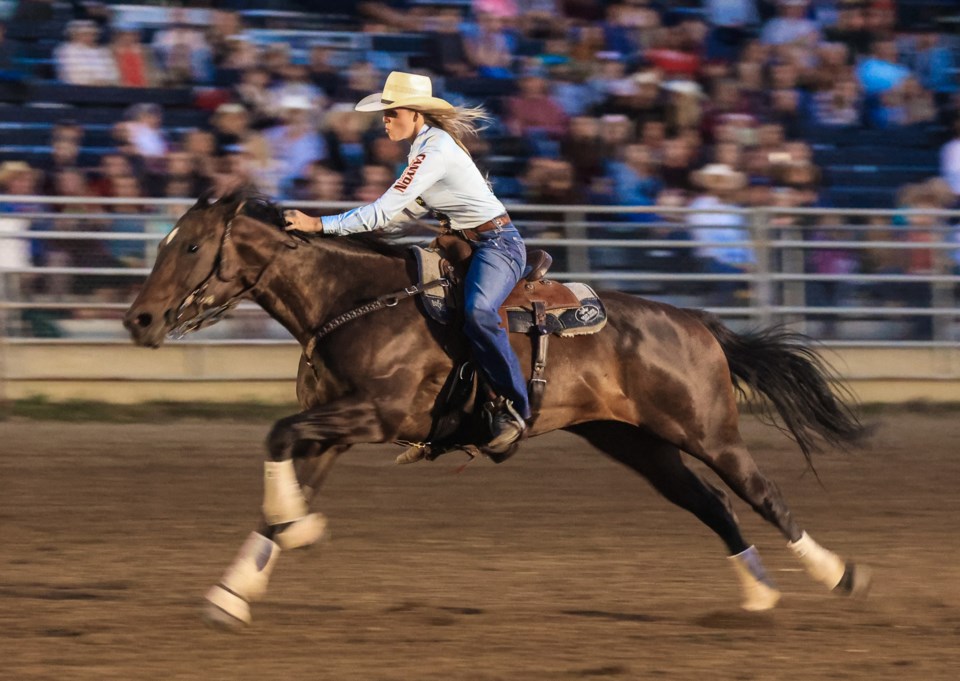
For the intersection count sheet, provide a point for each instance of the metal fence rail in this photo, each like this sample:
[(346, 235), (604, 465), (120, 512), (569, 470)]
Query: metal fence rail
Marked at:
[(888, 277)]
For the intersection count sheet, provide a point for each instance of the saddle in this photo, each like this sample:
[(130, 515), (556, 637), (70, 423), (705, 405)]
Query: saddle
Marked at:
[(537, 307), (567, 309)]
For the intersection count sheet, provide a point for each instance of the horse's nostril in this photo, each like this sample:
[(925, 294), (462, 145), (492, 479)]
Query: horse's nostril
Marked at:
[(144, 320)]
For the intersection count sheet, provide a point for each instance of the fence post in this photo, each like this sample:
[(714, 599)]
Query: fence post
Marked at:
[(3, 342), (762, 298), (578, 258)]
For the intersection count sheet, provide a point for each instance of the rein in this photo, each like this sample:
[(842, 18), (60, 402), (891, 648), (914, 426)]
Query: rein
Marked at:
[(379, 303)]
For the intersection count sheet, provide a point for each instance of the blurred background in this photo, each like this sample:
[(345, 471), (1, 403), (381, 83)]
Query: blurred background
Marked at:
[(789, 161)]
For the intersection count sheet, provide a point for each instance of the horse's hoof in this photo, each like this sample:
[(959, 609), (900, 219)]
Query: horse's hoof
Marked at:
[(305, 531), (226, 611), (855, 582), (760, 599), (413, 453)]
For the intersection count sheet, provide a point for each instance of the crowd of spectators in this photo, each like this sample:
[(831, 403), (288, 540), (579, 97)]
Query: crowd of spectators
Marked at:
[(600, 102)]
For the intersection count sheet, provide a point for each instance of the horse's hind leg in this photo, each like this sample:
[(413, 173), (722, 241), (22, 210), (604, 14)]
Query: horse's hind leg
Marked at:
[(724, 451), (660, 463)]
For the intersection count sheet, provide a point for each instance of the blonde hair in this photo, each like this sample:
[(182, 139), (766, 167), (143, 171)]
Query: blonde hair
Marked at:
[(458, 122)]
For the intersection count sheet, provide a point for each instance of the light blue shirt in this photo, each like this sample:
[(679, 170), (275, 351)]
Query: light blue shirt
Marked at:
[(442, 175)]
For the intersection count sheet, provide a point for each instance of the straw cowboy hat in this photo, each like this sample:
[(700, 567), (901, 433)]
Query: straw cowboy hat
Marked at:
[(10, 169), (404, 91), (719, 177)]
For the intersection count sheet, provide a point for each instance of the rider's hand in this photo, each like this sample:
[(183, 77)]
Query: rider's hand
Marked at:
[(301, 222)]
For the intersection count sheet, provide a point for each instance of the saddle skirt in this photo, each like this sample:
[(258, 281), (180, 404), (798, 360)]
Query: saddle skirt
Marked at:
[(572, 309)]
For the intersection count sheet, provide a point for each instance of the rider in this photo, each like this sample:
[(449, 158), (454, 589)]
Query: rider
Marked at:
[(441, 176)]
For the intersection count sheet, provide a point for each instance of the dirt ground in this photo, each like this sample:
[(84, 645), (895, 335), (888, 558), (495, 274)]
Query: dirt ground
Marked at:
[(555, 565)]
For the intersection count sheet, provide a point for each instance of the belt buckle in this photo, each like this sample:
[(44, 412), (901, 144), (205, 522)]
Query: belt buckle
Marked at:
[(497, 222)]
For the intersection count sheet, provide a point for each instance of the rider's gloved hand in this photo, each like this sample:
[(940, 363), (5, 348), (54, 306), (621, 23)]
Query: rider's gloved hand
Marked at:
[(301, 222)]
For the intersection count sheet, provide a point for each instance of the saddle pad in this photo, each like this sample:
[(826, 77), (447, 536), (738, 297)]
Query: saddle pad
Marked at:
[(439, 307), (584, 317)]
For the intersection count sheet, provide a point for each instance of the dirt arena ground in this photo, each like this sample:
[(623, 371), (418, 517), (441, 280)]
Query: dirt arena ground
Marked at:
[(556, 565)]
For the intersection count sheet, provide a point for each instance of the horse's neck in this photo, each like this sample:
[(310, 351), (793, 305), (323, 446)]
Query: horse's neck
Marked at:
[(310, 285)]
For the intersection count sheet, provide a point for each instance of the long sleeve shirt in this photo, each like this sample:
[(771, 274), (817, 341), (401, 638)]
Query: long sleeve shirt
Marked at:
[(442, 175)]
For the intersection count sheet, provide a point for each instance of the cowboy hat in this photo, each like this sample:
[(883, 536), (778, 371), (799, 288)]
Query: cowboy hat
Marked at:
[(683, 87), (719, 176), (403, 91), (8, 169)]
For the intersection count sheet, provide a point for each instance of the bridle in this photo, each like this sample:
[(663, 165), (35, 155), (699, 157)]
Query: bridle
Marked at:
[(210, 316)]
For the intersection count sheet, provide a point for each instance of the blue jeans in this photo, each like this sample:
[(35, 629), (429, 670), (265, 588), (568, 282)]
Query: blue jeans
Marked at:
[(499, 257)]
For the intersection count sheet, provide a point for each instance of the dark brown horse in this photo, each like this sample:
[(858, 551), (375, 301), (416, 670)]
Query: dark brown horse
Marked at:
[(655, 382)]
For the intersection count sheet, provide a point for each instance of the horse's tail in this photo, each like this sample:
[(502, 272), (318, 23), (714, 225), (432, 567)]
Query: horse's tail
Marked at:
[(782, 366)]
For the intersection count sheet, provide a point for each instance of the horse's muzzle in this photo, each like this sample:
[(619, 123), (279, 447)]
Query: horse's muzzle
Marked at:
[(146, 329)]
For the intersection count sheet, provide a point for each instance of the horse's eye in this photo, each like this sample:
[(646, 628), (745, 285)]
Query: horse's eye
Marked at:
[(193, 248)]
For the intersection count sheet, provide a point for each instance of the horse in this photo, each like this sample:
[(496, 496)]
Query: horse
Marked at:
[(656, 381)]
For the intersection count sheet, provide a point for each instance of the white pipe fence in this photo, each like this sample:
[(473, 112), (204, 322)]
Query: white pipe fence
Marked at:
[(68, 274)]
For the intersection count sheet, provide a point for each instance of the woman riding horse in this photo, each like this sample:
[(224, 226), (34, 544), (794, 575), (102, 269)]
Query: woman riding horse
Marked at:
[(442, 177)]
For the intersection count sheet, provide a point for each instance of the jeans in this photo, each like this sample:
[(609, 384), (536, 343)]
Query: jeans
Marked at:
[(499, 257)]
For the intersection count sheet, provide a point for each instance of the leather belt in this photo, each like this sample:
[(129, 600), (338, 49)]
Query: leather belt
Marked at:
[(496, 223)]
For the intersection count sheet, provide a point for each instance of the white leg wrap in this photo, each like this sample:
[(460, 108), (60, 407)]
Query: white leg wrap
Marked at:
[(306, 531), (758, 591), (824, 566), (249, 573), (283, 500)]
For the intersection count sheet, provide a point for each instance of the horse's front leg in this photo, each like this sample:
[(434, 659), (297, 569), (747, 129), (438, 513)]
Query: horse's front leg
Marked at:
[(320, 435)]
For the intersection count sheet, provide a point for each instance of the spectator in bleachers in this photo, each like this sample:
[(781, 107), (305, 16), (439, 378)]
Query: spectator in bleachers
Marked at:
[(362, 78), (923, 228), (345, 140), (240, 54), (835, 261), (183, 169), (490, 47), (635, 180), (146, 133), (534, 113), (254, 94), (550, 181), (200, 163), (231, 127), (448, 54), (676, 50), (583, 148), (182, 52), (381, 151), (574, 96), (851, 27), (677, 162), (81, 60), (224, 27), (642, 100), (295, 84), (934, 64), (135, 67), (323, 73), (295, 142), (838, 105), (720, 186), (950, 159), (374, 181), (791, 25), (684, 109), (881, 70), (264, 171), (10, 71), (731, 24), (16, 179), (321, 184), (127, 253)]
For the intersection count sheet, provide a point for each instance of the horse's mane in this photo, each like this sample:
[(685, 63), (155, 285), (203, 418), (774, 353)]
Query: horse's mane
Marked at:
[(258, 206)]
